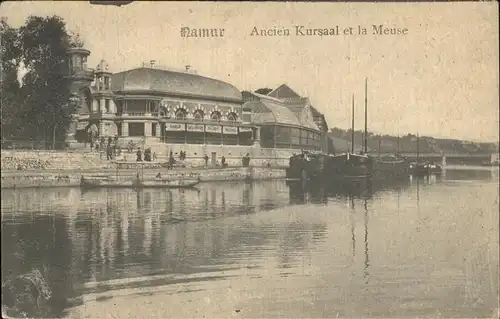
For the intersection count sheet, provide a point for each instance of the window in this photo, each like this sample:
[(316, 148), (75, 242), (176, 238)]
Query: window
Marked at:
[(106, 105), (78, 62), (246, 118), (283, 136), (153, 107), (267, 136), (198, 115), (135, 129), (215, 116), (106, 83), (296, 136), (153, 129), (119, 108), (180, 114), (232, 117)]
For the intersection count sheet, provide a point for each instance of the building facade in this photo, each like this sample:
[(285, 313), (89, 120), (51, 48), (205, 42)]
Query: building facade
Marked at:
[(161, 106), (302, 106), (173, 111), (279, 126)]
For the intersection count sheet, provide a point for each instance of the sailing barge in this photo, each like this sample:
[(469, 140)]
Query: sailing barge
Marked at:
[(419, 168), (350, 166), (391, 166), (327, 168)]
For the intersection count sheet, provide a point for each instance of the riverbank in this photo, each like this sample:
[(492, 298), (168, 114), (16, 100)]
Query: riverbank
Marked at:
[(69, 178), (470, 168)]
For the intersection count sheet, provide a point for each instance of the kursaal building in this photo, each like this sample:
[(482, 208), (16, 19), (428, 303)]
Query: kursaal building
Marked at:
[(168, 110)]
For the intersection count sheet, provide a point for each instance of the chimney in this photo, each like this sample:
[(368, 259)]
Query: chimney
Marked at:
[(152, 63)]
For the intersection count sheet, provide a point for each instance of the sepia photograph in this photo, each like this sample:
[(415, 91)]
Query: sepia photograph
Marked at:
[(196, 159)]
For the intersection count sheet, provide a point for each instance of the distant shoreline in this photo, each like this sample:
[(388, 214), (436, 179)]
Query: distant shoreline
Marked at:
[(471, 168)]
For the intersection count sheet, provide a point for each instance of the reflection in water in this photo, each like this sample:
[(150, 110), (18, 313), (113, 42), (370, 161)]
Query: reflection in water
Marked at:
[(108, 243), (480, 174), (353, 226), (301, 193), (367, 258), (109, 234)]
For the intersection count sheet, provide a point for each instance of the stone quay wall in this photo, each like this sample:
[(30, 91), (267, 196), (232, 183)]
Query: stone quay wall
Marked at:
[(51, 160), (86, 159), (65, 168), (24, 179)]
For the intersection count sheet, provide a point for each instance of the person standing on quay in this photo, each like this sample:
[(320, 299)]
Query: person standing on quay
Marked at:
[(109, 152), (206, 161), (171, 160)]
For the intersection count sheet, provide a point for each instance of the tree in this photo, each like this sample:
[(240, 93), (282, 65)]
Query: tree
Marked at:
[(9, 85), (75, 41), (45, 91)]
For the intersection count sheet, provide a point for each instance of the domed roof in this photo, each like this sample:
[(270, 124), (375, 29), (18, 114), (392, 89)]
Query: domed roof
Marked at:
[(267, 109), (102, 66), (172, 82)]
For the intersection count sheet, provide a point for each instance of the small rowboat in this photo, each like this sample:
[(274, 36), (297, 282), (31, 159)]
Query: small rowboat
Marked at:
[(424, 168), (103, 182), (180, 183)]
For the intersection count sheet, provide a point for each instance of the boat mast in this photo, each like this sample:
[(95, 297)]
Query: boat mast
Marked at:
[(397, 149), (379, 142), (418, 147), (352, 126), (366, 115)]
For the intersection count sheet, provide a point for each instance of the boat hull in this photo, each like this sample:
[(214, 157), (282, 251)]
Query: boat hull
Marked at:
[(102, 183), (391, 167), (423, 169), (326, 169), (168, 184), (350, 167)]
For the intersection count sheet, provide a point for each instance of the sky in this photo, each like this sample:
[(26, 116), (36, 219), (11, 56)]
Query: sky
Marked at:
[(440, 79)]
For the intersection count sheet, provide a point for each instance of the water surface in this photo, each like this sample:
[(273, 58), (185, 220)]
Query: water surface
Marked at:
[(417, 248)]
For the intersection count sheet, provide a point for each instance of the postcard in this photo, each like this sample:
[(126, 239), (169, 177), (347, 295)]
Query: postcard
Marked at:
[(249, 159)]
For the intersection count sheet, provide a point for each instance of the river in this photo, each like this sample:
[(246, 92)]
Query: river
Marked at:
[(418, 248)]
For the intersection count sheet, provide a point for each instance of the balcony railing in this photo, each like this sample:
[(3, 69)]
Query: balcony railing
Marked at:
[(142, 113), (137, 113), (205, 121)]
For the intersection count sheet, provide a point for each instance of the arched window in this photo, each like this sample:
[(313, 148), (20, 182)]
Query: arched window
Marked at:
[(232, 117), (78, 62), (215, 116), (180, 114), (198, 115)]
